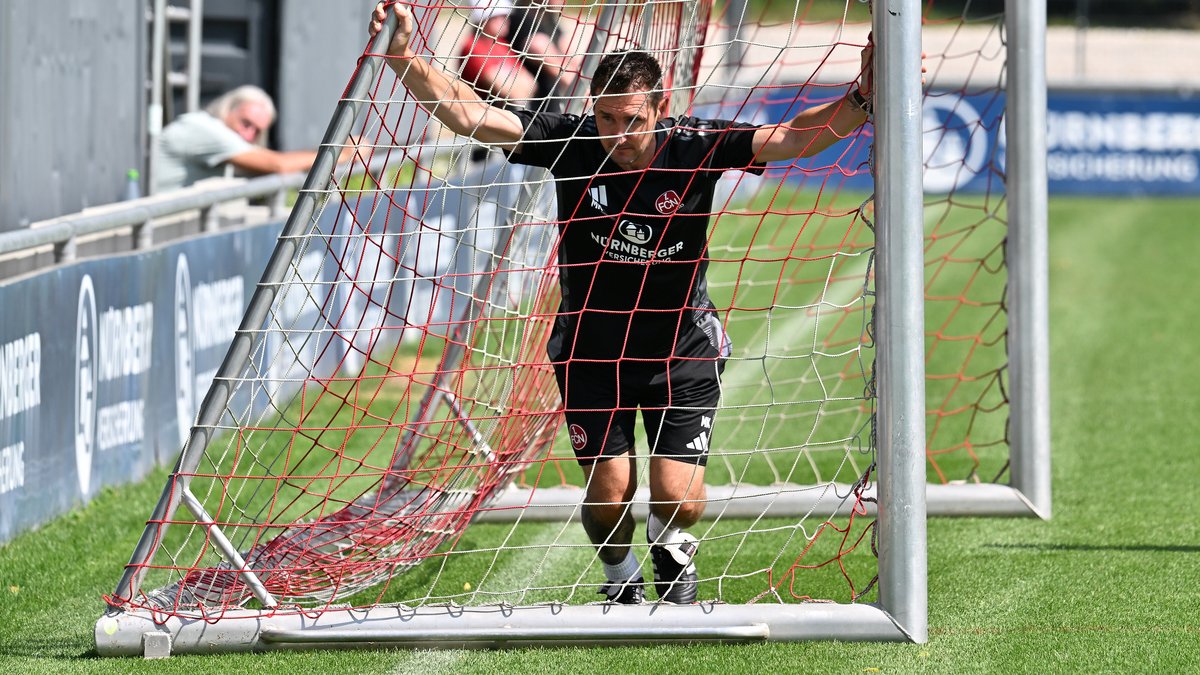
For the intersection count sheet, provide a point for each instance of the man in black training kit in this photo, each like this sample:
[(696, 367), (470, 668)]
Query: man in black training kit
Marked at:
[(636, 328)]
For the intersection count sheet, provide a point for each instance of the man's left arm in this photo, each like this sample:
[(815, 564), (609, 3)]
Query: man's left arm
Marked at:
[(817, 128)]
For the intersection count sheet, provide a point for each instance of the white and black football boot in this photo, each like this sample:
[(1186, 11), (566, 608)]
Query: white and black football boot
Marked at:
[(674, 572)]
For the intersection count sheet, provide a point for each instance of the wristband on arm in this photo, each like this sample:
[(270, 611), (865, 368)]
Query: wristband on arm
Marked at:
[(861, 102)]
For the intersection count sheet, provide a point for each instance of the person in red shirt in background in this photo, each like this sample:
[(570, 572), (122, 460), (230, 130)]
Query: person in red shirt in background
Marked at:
[(513, 55)]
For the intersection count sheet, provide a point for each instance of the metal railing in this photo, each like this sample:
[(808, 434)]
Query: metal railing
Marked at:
[(64, 233), (143, 216)]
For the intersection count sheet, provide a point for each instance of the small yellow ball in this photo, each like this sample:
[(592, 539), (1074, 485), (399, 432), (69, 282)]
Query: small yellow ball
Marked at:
[(467, 586)]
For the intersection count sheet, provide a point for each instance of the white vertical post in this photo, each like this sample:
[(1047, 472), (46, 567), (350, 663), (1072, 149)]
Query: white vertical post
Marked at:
[(158, 69), (900, 316), (1027, 256), (195, 42)]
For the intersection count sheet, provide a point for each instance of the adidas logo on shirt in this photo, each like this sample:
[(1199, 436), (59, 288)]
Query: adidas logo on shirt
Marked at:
[(599, 195)]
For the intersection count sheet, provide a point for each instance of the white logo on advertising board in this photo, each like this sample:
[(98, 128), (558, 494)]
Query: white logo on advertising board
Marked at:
[(86, 351), (955, 143), (20, 375), (12, 468), (20, 394), (126, 353), (185, 367)]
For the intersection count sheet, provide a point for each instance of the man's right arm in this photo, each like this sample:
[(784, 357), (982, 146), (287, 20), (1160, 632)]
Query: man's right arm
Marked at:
[(452, 101)]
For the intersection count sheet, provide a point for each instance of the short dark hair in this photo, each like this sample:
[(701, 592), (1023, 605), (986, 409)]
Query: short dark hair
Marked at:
[(628, 72)]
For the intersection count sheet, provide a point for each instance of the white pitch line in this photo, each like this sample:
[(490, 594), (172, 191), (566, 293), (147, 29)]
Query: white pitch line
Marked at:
[(516, 572), (429, 661), (749, 373), (519, 569)]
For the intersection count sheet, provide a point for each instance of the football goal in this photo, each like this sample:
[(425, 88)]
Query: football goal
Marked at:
[(382, 458)]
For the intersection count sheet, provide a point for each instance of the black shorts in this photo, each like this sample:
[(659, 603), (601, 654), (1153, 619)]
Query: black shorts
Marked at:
[(678, 398)]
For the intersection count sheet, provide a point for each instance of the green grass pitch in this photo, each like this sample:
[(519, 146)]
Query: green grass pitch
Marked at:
[(1110, 584)]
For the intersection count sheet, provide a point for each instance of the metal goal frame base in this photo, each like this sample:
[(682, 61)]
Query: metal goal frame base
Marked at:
[(122, 633), (781, 500)]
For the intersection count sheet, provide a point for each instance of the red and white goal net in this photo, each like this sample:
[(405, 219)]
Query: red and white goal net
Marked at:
[(396, 435)]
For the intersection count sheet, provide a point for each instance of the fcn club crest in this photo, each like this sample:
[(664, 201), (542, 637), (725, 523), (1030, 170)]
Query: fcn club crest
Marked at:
[(578, 437), (668, 202)]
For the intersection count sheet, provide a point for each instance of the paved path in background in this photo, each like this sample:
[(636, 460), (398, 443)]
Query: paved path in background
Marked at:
[(1092, 58), (1109, 57), (1106, 56), (1098, 57)]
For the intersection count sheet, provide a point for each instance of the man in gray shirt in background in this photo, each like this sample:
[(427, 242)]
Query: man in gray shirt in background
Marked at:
[(227, 136)]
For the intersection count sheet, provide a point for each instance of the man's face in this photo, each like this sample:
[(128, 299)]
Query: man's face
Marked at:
[(249, 120), (626, 126)]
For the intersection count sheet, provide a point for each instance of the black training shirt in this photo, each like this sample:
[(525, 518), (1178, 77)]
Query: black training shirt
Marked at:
[(633, 249)]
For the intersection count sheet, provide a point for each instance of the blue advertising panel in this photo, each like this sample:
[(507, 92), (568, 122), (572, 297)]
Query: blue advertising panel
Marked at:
[(103, 361), (1123, 143), (963, 141), (1097, 142)]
